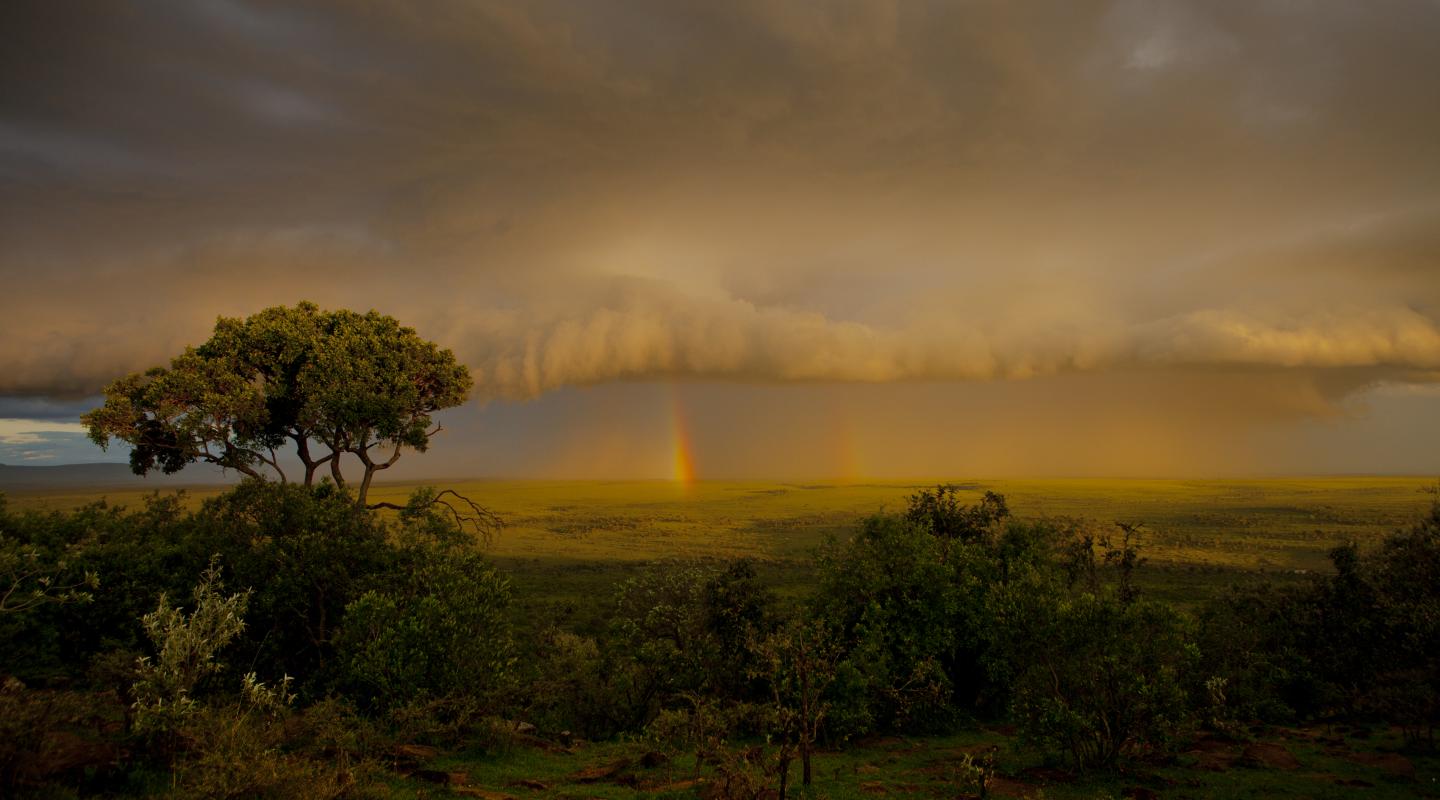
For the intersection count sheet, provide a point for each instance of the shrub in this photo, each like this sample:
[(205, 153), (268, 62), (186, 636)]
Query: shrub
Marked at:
[(892, 597), (440, 630), (942, 513), (1100, 678), (185, 649)]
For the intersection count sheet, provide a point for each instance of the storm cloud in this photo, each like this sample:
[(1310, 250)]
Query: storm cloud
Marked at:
[(572, 193)]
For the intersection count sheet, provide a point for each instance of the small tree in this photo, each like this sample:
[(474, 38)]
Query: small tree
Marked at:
[(945, 516), (799, 661)]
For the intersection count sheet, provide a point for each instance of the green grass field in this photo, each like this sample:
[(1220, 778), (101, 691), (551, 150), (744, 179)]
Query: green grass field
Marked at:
[(566, 543), (1269, 525)]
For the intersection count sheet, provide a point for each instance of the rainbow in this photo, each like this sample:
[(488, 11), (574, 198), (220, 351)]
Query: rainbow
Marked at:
[(680, 439)]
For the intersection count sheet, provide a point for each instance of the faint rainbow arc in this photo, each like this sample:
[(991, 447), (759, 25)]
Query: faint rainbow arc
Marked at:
[(684, 448)]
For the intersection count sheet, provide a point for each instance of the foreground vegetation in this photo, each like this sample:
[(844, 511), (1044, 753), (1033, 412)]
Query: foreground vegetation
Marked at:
[(282, 641)]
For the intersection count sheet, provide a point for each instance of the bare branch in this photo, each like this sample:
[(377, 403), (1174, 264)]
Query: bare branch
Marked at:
[(484, 522)]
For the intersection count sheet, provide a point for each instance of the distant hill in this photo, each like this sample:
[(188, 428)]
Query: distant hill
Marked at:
[(63, 476)]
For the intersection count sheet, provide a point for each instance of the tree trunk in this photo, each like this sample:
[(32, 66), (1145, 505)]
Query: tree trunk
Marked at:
[(370, 470), (335, 470)]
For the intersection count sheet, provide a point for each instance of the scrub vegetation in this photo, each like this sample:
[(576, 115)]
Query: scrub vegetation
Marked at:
[(279, 640)]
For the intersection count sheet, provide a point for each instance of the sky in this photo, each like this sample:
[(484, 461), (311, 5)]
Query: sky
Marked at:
[(849, 239)]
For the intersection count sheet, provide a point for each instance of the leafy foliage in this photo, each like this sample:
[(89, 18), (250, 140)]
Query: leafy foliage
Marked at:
[(185, 649), (347, 383), (947, 517), (439, 630), (1100, 677)]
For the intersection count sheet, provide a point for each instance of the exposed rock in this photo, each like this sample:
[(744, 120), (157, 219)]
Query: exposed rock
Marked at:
[(526, 728)]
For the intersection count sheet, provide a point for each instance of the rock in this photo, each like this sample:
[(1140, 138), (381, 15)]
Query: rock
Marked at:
[(1270, 755), (525, 728), (566, 738)]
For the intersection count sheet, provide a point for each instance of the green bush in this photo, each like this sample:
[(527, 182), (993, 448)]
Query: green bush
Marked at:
[(440, 629), (1100, 679), (893, 598)]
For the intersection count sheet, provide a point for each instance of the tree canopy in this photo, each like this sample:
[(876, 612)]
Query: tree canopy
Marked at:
[(330, 383)]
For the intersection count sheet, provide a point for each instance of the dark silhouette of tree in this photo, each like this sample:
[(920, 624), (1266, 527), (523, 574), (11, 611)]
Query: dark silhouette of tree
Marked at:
[(330, 383), (947, 517)]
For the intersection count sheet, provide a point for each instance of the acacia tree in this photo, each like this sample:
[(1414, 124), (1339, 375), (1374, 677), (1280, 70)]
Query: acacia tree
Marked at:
[(331, 383)]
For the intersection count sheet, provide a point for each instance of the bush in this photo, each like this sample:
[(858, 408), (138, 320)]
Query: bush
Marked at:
[(440, 630), (185, 649), (892, 597), (942, 513), (1101, 679)]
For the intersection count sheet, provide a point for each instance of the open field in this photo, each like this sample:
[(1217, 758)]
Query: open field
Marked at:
[(1270, 525), (566, 543)]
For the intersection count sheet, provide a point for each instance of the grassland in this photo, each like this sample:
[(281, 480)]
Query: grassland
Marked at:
[(1267, 525), (566, 543)]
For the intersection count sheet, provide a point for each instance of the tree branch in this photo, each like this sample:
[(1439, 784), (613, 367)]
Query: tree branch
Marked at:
[(484, 522)]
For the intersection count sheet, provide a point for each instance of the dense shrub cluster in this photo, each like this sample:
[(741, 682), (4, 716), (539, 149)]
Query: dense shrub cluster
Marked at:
[(341, 628), (1361, 643)]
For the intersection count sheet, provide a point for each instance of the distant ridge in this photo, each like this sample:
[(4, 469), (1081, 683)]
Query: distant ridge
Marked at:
[(63, 476)]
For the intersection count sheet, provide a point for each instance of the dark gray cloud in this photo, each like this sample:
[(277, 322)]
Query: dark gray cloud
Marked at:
[(575, 192)]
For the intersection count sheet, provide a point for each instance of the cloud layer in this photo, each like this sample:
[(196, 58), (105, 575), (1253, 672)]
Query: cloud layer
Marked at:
[(815, 192)]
